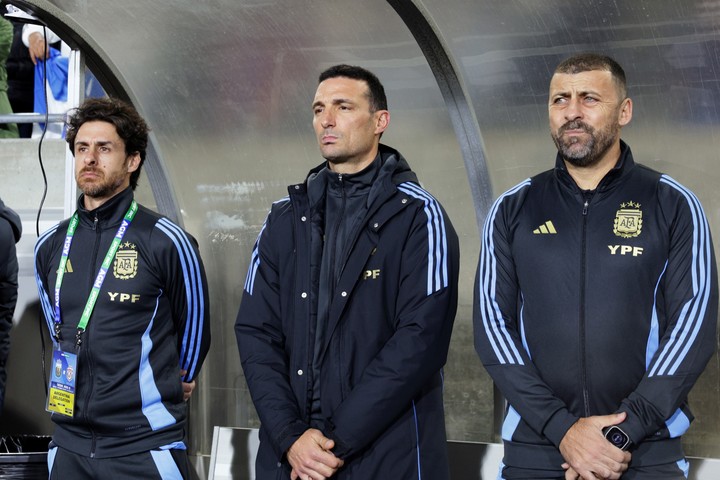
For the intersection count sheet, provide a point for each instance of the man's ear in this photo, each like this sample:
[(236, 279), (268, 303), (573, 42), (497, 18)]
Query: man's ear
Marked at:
[(133, 162), (625, 114), (382, 121)]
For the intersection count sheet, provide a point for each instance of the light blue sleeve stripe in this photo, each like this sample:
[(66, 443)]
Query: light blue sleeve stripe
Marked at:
[(152, 407), (437, 237), (654, 334), (692, 314), (510, 424), (684, 466), (254, 262), (45, 303), (678, 424), (51, 459), (174, 446), (194, 292), (500, 469), (255, 256), (523, 335), (165, 465), (417, 441), (493, 321)]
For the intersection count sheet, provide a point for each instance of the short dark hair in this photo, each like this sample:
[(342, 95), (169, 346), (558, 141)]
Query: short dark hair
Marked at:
[(130, 126), (376, 92), (586, 62)]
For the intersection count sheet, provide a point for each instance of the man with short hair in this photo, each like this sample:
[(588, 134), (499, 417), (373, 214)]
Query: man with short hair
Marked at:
[(348, 306), (596, 297), (124, 294)]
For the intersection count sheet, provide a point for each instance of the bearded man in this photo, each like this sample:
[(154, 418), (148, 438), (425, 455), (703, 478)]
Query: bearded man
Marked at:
[(124, 294), (596, 297)]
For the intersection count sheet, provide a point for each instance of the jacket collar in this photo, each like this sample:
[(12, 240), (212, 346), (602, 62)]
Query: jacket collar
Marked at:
[(324, 179), (109, 213), (393, 170), (623, 166)]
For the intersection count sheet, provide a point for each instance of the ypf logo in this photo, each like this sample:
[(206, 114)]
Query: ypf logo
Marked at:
[(628, 220), (371, 274)]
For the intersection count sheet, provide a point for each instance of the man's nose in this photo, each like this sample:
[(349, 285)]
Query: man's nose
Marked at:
[(573, 110), (89, 156), (327, 119)]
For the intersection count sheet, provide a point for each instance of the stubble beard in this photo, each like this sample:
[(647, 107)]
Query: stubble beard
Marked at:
[(585, 153), (102, 188)]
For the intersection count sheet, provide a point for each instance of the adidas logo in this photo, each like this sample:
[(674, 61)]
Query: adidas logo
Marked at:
[(546, 227), (68, 267)]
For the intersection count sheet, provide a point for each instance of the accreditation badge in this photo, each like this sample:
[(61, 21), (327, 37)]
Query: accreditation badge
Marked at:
[(61, 391)]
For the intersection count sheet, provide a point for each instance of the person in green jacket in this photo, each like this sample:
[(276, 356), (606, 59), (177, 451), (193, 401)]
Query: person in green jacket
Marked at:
[(7, 130)]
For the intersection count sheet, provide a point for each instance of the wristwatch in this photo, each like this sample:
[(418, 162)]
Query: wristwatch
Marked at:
[(617, 437)]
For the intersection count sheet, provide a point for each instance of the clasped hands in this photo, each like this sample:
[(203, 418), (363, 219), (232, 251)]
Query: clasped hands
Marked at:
[(311, 457), (588, 454)]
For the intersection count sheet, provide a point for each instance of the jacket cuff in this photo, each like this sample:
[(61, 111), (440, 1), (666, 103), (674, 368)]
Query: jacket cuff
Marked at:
[(288, 436), (558, 425), (633, 425), (341, 450)]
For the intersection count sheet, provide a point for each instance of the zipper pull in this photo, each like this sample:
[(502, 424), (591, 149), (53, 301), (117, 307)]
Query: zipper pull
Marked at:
[(587, 194), (95, 222)]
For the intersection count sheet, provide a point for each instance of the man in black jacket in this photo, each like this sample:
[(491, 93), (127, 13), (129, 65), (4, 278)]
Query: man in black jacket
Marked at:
[(124, 294), (21, 78), (596, 298), (349, 304), (10, 231)]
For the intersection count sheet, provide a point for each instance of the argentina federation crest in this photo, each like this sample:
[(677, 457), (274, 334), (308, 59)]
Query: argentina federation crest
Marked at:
[(126, 262), (628, 220)]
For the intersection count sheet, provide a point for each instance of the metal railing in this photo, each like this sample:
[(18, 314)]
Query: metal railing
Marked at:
[(32, 118)]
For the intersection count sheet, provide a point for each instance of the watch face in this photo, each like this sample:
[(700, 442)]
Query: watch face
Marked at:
[(617, 437)]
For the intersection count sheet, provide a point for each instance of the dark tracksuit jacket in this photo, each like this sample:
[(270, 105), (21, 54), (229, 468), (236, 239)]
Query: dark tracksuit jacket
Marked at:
[(151, 320), (390, 316), (590, 303), (10, 231)]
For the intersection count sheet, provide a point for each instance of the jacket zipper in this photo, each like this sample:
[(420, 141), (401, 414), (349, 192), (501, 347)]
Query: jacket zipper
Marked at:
[(86, 344), (583, 272), (334, 278), (333, 252)]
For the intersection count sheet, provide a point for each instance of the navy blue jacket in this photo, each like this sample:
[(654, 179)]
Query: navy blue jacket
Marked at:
[(590, 303), (10, 231), (387, 337), (151, 320)]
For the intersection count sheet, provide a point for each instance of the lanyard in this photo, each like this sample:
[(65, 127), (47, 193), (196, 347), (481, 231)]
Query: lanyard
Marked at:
[(95, 292)]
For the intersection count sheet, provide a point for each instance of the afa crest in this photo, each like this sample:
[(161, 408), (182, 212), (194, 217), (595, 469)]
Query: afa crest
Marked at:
[(628, 220), (126, 262)]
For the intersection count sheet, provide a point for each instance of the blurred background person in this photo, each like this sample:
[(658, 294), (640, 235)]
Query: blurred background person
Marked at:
[(7, 130), (21, 78), (10, 231), (50, 58)]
